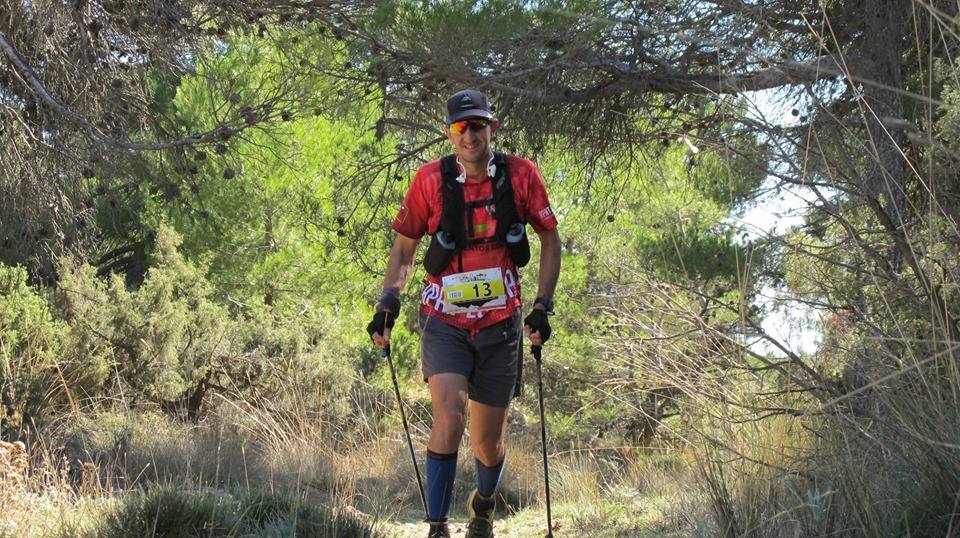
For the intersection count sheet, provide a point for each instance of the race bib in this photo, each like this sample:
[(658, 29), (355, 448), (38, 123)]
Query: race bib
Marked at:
[(474, 291)]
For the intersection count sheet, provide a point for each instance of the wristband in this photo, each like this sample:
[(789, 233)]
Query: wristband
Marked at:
[(389, 301), (546, 303)]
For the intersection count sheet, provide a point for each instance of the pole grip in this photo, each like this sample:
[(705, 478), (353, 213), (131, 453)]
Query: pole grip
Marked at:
[(536, 351)]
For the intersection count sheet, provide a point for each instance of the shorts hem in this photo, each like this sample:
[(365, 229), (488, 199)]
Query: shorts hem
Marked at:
[(426, 376), (490, 402)]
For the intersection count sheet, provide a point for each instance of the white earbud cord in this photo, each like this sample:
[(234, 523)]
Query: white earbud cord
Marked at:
[(491, 169)]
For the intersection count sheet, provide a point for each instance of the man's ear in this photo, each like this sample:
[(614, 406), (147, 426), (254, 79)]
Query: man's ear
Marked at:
[(446, 131), (494, 125)]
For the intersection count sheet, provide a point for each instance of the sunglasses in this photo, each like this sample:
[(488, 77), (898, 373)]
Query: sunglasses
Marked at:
[(477, 124)]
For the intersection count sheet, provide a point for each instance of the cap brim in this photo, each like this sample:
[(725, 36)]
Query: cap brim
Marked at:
[(472, 113)]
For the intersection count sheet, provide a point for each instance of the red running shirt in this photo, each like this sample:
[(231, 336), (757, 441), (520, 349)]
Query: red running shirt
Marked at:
[(420, 215)]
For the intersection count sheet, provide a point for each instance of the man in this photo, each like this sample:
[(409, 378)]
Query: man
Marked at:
[(474, 205)]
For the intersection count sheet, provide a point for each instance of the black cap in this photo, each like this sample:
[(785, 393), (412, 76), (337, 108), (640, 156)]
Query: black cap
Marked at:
[(468, 104)]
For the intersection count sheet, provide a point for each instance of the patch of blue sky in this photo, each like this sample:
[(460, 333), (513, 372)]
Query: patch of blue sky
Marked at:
[(778, 209)]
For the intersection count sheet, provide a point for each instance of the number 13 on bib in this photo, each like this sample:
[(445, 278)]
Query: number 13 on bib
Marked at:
[(474, 291)]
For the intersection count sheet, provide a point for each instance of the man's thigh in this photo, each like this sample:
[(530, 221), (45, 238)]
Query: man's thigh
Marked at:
[(489, 362), (498, 355), (444, 349)]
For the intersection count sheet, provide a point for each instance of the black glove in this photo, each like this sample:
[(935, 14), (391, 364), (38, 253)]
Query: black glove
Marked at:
[(382, 321), (538, 323), (388, 308)]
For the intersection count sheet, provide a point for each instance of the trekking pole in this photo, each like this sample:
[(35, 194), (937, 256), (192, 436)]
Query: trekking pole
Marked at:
[(403, 416), (543, 438)]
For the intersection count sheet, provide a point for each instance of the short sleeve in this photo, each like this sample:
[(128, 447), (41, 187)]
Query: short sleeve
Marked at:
[(411, 219), (537, 210)]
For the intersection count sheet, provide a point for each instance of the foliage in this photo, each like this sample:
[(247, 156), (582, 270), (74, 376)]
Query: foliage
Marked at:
[(82, 130), (167, 338), (226, 198), (29, 343), (168, 511), (166, 343), (270, 210), (642, 257)]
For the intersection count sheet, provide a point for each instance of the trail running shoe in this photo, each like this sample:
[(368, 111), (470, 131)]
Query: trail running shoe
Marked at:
[(481, 514), (439, 530)]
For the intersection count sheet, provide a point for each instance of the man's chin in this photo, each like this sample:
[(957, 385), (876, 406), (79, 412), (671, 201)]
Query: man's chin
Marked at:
[(472, 156)]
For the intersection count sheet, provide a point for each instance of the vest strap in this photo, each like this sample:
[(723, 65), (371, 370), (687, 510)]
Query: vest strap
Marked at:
[(456, 217)]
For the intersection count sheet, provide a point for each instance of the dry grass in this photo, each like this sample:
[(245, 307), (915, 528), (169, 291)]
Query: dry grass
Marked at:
[(86, 468), (891, 469)]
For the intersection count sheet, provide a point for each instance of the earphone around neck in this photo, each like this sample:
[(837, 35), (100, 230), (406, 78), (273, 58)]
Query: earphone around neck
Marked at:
[(491, 169)]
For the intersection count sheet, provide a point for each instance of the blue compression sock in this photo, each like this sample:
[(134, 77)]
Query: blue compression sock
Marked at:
[(441, 470), (488, 478)]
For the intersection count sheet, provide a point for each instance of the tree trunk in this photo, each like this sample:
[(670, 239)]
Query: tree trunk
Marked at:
[(268, 247), (884, 185), (886, 175)]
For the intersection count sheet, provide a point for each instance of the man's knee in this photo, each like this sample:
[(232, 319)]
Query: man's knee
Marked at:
[(489, 451), (449, 393), (450, 416), (449, 420)]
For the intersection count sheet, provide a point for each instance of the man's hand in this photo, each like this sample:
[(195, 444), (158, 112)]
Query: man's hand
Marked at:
[(379, 328), (387, 310), (537, 326)]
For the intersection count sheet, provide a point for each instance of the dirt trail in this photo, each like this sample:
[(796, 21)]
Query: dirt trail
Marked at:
[(626, 522), (419, 530)]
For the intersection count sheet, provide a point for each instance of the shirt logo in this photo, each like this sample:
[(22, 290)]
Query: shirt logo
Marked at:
[(401, 215), (545, 213)]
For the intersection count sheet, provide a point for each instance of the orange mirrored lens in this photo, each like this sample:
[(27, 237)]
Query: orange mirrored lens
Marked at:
[(477, 124)]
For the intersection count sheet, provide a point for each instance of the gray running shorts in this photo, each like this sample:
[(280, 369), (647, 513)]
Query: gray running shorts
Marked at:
[(491, 362)]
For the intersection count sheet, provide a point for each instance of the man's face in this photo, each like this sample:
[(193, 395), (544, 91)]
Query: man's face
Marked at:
[(473, 144)]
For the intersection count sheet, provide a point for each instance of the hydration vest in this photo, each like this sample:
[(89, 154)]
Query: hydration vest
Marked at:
[(452, 237)]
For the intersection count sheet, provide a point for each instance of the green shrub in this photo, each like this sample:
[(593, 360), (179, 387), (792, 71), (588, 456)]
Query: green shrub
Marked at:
[(172, 340), (30, 379), (166, 338), (302, 360), (165, 511), (166, 344)]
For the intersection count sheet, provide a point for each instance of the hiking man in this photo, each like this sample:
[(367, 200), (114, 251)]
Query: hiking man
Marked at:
[(474, 204)]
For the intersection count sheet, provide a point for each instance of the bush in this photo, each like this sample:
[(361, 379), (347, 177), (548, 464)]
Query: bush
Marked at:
[(166, 338), (168, 512), (843, 475), (167, 343), (30, 378)]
